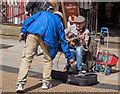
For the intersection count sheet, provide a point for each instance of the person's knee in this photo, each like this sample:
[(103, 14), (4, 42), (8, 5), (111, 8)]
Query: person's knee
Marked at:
[(79, 50)]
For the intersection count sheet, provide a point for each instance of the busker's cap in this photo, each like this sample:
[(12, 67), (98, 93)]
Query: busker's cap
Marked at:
[(80, 19), (58, 13)]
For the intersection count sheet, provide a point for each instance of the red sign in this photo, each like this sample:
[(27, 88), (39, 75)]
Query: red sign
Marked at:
[(70, 9)]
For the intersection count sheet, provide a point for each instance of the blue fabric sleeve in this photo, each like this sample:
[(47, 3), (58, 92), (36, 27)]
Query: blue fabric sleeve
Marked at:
[(64, 44)]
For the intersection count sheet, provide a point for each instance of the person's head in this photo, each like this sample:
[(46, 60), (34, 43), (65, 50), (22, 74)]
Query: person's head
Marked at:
[(59, 14), (80, 22)]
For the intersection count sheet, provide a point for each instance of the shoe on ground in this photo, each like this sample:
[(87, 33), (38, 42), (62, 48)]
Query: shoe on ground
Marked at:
[(84, 71), (81, 71), (19, 88), (45, 85)]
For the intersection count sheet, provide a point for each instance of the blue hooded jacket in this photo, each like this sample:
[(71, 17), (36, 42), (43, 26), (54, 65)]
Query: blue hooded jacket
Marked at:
[(51, 30)]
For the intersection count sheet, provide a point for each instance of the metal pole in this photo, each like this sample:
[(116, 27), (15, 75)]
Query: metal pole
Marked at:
[(96, 18)]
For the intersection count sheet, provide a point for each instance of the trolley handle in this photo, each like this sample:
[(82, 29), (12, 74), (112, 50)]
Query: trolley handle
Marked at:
[(104, 30)]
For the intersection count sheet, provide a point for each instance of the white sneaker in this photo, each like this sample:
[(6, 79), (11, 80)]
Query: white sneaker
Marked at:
[(84, 71), (19, 88), (45, 85)]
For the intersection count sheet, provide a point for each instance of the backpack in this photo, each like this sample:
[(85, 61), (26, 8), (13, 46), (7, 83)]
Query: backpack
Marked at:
[(91, 54)]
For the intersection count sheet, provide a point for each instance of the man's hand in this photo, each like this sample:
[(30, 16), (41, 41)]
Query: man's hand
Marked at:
[(82, 37), (72, 62), (20, 36)]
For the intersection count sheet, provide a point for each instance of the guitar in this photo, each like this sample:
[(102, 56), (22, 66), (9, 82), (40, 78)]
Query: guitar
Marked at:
[(73, 41)]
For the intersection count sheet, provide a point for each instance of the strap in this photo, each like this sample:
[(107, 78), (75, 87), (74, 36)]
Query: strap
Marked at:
[(58, 31), (60, 28)]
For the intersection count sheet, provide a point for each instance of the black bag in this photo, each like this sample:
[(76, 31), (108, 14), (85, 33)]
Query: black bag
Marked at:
[(61, 76), (82, 79), (74, 78)]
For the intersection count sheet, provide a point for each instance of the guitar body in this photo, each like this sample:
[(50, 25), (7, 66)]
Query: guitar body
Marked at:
[(73, 40), (71, 43)]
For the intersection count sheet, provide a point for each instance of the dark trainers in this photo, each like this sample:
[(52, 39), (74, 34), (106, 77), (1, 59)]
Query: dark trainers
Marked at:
[(19, 88), (45, 85)]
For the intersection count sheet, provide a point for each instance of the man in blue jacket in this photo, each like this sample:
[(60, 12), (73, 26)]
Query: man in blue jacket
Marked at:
[(44, 29)]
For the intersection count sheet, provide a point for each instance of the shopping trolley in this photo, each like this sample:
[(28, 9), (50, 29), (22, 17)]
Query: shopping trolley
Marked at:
[(105, 60)]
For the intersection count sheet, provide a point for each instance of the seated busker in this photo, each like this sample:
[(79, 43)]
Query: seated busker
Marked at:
[(77, 37)]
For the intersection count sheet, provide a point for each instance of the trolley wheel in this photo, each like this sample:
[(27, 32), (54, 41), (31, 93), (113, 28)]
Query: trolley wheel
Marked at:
[(107, 71)]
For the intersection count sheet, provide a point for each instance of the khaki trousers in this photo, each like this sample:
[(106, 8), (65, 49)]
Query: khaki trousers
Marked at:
[(32, 42)]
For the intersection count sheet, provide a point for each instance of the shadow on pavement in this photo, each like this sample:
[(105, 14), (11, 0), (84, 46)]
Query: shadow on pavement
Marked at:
[(33, 87), (107, 86), (39, 76), (115, 71), (13, 69), (5, 46), (39, 85)]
